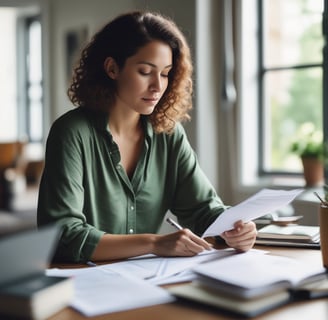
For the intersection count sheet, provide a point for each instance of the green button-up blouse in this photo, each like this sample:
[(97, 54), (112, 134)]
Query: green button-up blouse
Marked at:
[(87, 192)]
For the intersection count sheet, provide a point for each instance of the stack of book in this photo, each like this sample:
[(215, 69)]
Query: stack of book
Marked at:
[(25, 290), (37, 297), (250, 284), (290, 235)]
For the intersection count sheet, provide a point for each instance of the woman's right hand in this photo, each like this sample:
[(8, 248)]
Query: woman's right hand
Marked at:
[(181, 243), (122, 246)]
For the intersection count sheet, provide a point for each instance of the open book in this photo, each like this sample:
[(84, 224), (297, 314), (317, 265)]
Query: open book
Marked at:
[(251, 283), (291, 235)]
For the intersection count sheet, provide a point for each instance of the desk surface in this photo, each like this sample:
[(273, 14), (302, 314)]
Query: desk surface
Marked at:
[(312, 309)]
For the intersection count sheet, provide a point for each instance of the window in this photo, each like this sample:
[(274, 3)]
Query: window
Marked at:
[(279, 81), (290, 78), (21, 107)]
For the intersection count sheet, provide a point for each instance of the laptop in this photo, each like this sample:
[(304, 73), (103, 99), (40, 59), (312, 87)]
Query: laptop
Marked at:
[(27, 253)]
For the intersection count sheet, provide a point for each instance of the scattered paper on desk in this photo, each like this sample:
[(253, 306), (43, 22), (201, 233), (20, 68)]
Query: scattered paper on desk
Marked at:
[(258, 205), (133, 283), (178, 269), (154, 269), (98, 292), (66, 272)]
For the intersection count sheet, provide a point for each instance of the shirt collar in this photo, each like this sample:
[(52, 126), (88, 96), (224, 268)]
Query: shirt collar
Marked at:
[(99, 120)]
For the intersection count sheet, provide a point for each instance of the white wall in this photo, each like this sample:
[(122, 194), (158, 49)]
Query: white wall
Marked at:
[(208, 83), (65, 16)]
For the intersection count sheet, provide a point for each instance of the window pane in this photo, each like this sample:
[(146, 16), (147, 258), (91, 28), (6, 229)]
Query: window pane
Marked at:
[(35, 72), (35, 112), (35, 94), (293, 97), (292, 32)]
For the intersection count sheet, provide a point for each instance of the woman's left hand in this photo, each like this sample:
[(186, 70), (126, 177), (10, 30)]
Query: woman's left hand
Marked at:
[(242, 237)]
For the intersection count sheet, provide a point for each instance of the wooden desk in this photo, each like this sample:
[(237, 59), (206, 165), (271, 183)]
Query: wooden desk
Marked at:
[(312, 309)]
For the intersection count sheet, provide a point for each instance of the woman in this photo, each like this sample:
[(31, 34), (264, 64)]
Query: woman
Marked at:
[(118, 162)]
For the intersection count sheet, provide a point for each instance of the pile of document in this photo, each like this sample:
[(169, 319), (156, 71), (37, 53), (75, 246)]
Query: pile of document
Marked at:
[(136, 282), (132, 283), (247, 283), (290, 235), (252, 283)]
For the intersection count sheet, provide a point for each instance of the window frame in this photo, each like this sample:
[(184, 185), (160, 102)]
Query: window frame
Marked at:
[(24, 103), (325, 81)]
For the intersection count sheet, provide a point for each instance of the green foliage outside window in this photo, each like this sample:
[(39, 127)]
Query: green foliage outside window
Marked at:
[(302, 105)]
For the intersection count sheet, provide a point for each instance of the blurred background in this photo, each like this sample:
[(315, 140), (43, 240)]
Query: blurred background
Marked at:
[(259, 74)]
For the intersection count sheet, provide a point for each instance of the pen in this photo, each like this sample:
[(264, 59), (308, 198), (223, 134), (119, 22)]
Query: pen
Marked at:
[(178, 227), (174, 224), (323, 202)]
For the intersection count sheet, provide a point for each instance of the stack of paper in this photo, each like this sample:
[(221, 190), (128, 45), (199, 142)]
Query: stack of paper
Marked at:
[(291, 235), (132, 283), (250, 284)]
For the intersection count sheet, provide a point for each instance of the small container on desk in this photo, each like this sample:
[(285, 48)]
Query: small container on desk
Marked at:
[(323, 221)]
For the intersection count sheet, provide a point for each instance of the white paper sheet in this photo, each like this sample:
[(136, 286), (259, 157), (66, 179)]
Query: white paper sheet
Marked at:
[(98, 292), (258, 205), (154, 269)]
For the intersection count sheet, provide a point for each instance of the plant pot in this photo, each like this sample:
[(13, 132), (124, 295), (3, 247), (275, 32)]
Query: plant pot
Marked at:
[(313, 171)]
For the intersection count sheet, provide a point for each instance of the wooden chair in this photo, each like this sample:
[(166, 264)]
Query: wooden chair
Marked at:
[(12, 163)]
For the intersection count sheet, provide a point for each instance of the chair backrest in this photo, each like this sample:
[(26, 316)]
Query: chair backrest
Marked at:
[(10, 152)]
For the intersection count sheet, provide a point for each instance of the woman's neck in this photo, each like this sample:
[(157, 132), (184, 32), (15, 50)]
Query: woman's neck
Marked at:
[(124, 123)]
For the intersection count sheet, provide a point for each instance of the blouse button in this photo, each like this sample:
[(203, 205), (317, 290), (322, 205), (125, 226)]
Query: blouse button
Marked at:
[(131, 231)]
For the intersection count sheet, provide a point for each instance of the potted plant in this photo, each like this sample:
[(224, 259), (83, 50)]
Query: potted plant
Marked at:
[(308, 145)]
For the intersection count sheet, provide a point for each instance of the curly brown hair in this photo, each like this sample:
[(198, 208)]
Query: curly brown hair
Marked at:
[(120, 39)]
